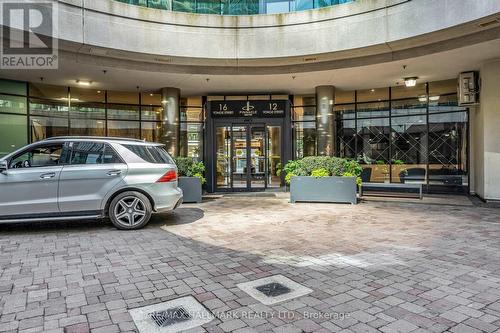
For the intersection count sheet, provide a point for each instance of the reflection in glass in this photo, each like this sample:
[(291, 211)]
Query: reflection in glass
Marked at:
[(151, 131), (223, 151), (45, 127), (13, 104), (123, 129), (153, 113), (373, 148), (304, 134), (13, 133), (87, 110), (306, 113), (257, 158), (409, 149), (191, 114), (54, 108), (191, 141), (87, 127), (346, 130), (274, 156), (239, 153), (126, 112), (448, 149)]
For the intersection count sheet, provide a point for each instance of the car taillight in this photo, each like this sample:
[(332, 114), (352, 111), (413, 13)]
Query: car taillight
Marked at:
[(168, 177)]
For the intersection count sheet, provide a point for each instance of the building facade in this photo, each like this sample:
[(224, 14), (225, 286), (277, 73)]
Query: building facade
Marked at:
[(245, 92)]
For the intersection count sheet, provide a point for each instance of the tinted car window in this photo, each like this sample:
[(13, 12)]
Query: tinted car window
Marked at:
[(41, 156), (87, 152), (151, 154), (110, 156)]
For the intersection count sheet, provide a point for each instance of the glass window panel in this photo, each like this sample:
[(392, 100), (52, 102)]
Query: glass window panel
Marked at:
[(13, 87), (191, 114), (373, 137), (223, 151), (153, 113), (304, 134), (277, 6), (306, 100), (52, 108), (129, 112), (409, 149), (123, 129), (322, 3), (121, 97), (346, 111), (304, 113), (87, 153), (188, 6), (13, 104), (87, 110), (443, 87), (195, 101), (209, 7), (46, 127), (448, 149), (151, 99), (152, 131), (159, 4), (110, 156), (373, 110), (13, 133), (402, 91), (48, 91), (372, 95), (191, 144), (342, 97), (408, 107), (346, 138), (44, 156), (275, 164), (444, 103), (240, 7), (87, 127), (304, 4), (79, 95)]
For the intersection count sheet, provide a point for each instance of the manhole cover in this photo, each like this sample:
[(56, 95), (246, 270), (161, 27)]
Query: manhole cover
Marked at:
[(169, 317), (273, 289)]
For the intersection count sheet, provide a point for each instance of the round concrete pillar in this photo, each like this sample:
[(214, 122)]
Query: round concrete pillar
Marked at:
[(325, 96), (170, 99)]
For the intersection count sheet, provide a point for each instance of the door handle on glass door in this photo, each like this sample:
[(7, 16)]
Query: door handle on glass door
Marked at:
[(47, 175), (114, 172)]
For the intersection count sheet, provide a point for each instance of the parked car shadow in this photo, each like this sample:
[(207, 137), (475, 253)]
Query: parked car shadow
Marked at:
[(183, 215)]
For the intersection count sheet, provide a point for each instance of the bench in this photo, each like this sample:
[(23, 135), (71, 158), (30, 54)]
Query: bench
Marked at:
[(391, 186)]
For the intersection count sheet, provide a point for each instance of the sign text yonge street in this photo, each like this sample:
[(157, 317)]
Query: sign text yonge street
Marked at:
[(248, 109), (29, 35)]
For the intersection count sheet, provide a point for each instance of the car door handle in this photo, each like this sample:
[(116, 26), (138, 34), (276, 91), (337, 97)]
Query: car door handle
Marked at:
[(114, 172), (48, 175)]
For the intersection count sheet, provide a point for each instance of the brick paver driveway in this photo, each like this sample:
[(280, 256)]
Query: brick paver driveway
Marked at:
[(377, 266)]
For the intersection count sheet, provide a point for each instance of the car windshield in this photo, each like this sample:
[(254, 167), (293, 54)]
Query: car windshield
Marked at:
[(151, 154)]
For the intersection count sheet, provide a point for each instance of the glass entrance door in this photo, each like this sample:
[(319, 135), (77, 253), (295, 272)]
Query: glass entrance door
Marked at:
[(248, 157)]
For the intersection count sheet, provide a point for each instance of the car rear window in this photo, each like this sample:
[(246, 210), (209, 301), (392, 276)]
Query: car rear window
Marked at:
[(151, 154)]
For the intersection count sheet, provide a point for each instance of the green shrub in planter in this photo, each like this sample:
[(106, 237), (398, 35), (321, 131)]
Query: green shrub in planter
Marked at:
[(333, 166), (188, 167), (319, 173)]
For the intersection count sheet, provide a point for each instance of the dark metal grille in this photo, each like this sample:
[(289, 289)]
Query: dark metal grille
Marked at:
[(273, 289), (170, 316)]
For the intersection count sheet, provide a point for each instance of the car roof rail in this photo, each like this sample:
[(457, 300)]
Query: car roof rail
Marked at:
[(92, 138)]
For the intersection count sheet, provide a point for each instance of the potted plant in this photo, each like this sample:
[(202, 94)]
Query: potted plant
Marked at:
[(191, 178), (323, 179)]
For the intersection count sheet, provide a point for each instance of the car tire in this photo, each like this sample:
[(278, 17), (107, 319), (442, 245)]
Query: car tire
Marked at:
[(130, 210)]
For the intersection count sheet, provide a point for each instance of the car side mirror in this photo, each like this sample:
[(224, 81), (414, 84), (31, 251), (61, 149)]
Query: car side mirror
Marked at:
[(3, 166)]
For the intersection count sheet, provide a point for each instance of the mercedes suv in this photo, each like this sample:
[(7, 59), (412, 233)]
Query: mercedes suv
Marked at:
[(67, 178)]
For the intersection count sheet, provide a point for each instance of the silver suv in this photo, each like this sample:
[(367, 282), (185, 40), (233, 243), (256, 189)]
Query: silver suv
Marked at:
[(67, 178)]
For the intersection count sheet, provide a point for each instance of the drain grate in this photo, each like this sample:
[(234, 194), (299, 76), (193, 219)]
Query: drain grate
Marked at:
[(170, 316), (273, 289)]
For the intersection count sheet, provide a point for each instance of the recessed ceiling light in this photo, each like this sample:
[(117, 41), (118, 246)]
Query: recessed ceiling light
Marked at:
[(372, 90), (84, 83), (411, 81)]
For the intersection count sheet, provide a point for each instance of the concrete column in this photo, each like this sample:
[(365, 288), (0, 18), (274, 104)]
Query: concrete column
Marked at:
[(325, 96), (486, 134), (170, 99)]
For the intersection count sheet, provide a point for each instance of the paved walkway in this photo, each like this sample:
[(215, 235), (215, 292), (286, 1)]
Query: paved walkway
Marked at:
[(378, 266)]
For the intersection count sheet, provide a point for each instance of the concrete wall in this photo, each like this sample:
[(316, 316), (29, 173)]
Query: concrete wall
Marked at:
[(362, 28), (486, 134)]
